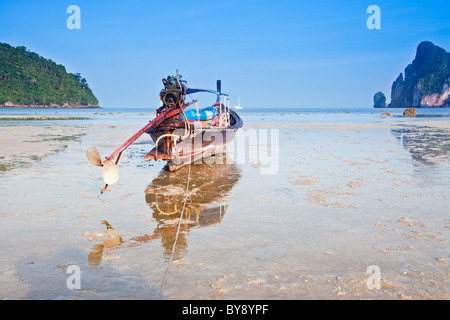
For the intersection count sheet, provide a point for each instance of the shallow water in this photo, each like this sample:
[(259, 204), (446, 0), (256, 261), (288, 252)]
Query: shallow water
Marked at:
[(367, 191), (140, 116)]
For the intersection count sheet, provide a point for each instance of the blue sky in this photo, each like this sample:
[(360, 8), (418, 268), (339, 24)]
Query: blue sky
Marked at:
[(269, 53)]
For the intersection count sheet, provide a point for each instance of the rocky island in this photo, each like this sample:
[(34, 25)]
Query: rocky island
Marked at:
[(426, 81), (28, 80)]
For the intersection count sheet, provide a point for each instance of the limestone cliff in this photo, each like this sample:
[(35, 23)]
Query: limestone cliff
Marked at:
[(426, 81), (379, 100)]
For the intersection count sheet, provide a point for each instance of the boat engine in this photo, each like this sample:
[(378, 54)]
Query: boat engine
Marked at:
[(173, 94)]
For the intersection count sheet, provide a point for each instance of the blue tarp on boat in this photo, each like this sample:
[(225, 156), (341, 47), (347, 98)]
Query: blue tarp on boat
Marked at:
[(203, 114)]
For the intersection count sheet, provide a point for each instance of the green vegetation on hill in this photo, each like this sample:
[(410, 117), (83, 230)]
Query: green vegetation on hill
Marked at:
[(431, 67), (26, 79)]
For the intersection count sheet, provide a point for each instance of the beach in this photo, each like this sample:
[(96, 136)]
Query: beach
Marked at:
[(349, 196)]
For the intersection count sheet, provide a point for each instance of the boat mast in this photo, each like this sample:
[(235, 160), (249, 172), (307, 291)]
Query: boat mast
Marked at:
[(219, 90)]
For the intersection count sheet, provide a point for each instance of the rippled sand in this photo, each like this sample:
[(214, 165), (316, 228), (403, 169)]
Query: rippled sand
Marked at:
[(345, 197)]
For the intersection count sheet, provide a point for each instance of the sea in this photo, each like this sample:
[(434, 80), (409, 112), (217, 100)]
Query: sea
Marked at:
[(249, 115)]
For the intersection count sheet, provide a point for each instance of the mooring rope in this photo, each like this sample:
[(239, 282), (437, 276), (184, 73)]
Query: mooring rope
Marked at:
[(187, 132), (178, 231)]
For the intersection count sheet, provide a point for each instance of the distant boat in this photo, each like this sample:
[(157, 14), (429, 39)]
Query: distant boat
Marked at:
[(239, 104)]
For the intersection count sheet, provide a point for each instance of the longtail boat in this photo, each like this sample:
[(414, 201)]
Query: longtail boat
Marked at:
[(182, 132), (191, 134)]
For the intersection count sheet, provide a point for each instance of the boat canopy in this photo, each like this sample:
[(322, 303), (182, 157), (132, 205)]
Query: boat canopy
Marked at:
[(191, 90)]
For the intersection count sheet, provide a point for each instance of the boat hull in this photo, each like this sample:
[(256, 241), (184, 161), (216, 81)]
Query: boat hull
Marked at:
[(202, 142)]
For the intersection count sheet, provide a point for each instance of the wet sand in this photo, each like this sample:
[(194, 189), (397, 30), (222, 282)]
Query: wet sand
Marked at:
[(22, 146), (345, 197)]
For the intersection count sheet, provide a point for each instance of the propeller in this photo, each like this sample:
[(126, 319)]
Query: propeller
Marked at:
[(110, 170)]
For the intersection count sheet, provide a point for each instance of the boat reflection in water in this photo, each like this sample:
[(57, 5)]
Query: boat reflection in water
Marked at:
[(426, 145), (206, 201)]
